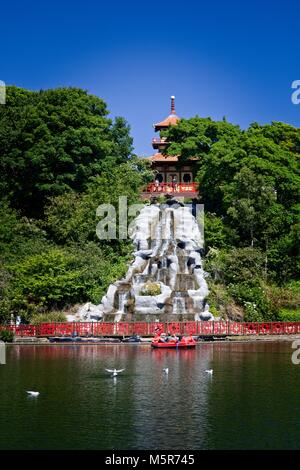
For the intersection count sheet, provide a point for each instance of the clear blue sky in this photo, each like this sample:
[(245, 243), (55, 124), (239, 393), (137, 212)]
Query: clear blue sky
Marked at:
[(218, 58)]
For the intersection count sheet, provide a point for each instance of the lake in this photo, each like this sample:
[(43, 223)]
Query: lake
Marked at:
[(251, 401)]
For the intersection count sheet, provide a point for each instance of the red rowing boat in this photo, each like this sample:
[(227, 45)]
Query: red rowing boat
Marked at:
[(185, 342)]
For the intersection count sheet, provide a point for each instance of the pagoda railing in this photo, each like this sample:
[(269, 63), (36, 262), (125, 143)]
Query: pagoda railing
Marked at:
[(172, 188), (159, 141)]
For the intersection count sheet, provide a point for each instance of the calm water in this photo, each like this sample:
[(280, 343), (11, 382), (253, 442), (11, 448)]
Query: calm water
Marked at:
[(251, 401)]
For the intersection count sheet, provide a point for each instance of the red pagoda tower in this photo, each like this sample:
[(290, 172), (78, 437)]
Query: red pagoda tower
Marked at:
[(171, 176)]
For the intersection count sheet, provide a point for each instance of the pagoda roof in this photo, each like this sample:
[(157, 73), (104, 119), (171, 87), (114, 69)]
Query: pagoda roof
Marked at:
[(160, 157), (170, 120)]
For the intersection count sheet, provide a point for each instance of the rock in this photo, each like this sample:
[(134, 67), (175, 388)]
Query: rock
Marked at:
[(107, 301), (70, 318), (173, 270), (186, 228), (201, 251), (144, 254), (136, 267), (88, 312), (206, 315), (202, 291), (154, 268), (144, 225), (157, 233), (181, 244)]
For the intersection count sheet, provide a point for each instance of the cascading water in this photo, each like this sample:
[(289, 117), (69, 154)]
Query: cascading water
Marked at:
[(122, 297), (179, 300), (166, 280)]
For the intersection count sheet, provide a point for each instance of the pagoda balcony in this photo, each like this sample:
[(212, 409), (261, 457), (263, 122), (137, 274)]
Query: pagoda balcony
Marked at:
[(179, 189), (159, 143)]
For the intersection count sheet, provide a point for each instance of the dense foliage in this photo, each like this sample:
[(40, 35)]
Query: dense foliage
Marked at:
[(53, 141), (60, 158), (250, 186), (6, 335)]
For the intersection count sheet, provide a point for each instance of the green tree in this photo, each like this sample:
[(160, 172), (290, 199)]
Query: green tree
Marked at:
[(250, 186), (53, 141), (72, 217), (253, 207)]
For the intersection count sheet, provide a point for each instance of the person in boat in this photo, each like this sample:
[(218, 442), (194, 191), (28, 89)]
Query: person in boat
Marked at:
[(162, 338), (189, 339), (172, 337), (169, 337)]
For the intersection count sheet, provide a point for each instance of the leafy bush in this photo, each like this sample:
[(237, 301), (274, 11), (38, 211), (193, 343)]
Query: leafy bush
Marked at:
[(217, 234), (254, 300), (49, 317), (281, 298), (286, 314), (252, 312), (6, 335), (151, 288), (63, 276), (71, 217), (218, 298)]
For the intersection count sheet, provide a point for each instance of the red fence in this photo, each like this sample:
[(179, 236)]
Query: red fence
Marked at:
[(201, 328)]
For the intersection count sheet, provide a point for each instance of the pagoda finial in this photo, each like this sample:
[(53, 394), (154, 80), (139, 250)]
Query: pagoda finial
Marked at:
[(173, 105)]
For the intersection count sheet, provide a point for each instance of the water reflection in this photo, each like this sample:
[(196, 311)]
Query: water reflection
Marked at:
[(250, 401)]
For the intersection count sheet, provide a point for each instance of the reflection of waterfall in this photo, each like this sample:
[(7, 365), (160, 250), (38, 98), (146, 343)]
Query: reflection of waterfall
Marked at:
[(166, 279)]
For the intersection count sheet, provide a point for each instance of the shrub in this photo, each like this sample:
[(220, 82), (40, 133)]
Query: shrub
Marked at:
[(285, 298), (254, 300), (50, 317), (6, 335), (151, 288), (286, 314), (213, 310), (63, 276), (218, 298), (217, 234), (252, 312)]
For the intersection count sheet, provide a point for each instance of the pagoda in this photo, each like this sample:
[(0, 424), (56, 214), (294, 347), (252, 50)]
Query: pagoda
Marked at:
[(171, 176)]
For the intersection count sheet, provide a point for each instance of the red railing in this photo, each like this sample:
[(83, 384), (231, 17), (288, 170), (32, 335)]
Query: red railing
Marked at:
[(172, 188), (201, 328), (156, 142)]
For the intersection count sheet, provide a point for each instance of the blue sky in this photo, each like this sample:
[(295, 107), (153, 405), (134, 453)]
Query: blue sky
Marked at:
[(236, 59)]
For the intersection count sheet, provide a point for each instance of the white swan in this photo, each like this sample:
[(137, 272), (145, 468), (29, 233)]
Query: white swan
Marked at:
[(33, 394)]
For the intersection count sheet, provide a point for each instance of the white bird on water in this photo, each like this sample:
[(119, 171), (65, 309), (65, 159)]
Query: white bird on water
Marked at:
[(114, 372), (209, 371), (166, 370), (33, 394)]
